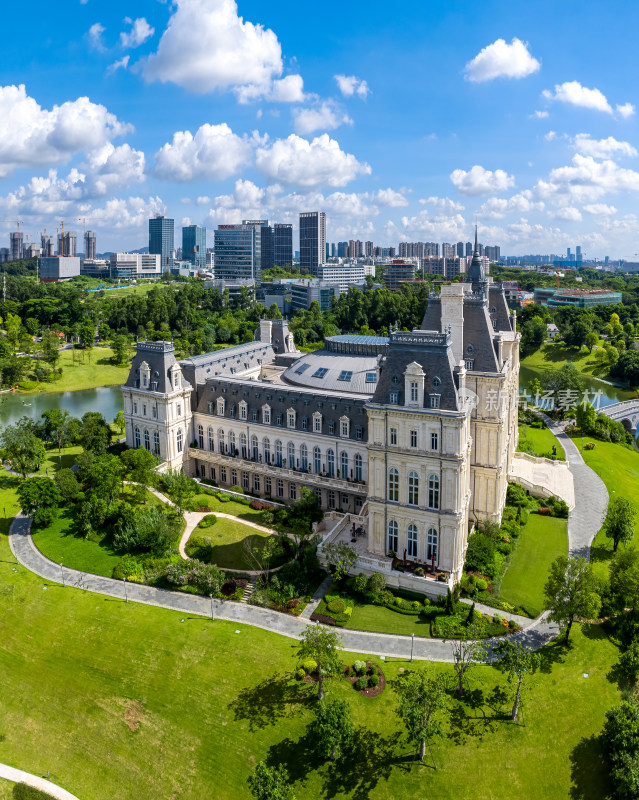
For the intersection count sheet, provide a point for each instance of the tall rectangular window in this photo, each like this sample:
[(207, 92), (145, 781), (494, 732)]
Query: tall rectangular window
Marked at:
[(413, 391), (413, 438), (393, 435), (434, 441)]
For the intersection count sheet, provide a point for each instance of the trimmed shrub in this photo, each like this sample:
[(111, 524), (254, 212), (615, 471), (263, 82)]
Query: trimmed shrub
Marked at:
[(372, 670), (373, 681), (361, 683), (376, 583), (299, 674), (481, 584), (237, 489), (208, 520), (336, 606), (309, 666), (359, 667), (419, 572)]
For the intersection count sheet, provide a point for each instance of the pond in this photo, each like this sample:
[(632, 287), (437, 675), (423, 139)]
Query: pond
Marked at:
[(105, 399)]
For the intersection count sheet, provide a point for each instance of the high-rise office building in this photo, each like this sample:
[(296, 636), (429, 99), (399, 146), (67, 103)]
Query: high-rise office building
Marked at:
[(16, 246), (161, 239), (460, 250), (578, 253), (342, 249), (368, 249), (194, 245), (283, 244), (469, 249), (263, 239), (333, 250), (90, 248), (68, 244), (568, 254), (312, 241), (46, 244), (237, 252)]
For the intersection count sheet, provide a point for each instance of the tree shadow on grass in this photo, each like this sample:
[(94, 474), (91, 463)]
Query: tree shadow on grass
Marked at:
[(477, 713), (588, 771), (553, 653), (275, 698)]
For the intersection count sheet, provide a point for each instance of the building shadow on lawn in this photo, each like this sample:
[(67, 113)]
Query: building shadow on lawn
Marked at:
[(588, 771), (274, 698)]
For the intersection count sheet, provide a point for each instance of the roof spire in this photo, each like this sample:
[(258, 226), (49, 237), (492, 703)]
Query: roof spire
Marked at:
[(476, 250)]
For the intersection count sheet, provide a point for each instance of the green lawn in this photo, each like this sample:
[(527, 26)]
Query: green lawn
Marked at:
[(204, 500), (228, 538), (556, 354), (618, 467), (542, 440), (83, 371), (131, 701), (367, 617), (541, 540), (6, 790)]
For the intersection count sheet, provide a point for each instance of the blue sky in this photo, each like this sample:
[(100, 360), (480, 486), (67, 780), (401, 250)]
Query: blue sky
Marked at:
[(410, 126)]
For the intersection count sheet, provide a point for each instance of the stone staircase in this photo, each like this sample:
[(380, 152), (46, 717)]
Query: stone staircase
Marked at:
[(250, 588)]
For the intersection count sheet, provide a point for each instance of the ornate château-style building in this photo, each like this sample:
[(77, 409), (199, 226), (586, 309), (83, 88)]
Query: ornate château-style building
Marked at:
[(411, 436)]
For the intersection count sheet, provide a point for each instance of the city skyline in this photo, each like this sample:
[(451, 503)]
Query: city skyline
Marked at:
[(129, 114)]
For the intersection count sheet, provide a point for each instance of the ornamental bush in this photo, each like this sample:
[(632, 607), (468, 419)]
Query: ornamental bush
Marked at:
[(359, 667), (337, 606), (361, 683), (309, 666), (206, 577), (373, 681), (299, 674), (481, 584)]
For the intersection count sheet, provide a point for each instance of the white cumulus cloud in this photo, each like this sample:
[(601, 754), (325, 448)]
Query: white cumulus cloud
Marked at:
[(33, 136), (498, 207), (110, 168), (478, 180), (626, 110), (207, 46), (502, 60), (567, 214), (390, 198), (350, 85), (326, 116), (297, 161), (602, 148), (573, 93), (121, 63), (600, 209), (139, 33), (95, 35), (213, 153)]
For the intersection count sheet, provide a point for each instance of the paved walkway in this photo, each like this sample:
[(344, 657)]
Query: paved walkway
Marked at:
[(321, 590), (591, 495), (538, 632), (18, 776)]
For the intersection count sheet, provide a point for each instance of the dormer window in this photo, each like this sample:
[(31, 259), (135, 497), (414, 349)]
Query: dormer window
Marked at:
[(317, 422), (266, 414), (220, 407), (290, 418), (435, 400), (344, 427), (414, 384), (243, 410)]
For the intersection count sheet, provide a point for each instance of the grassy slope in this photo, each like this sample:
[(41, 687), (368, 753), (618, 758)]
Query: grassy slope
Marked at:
[(542, 439), (101, 371), (127, 701), (555, 354), (618, 468), (228, 537), (540, 542)]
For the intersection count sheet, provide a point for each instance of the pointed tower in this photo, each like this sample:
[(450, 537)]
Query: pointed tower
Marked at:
[(476, 274)]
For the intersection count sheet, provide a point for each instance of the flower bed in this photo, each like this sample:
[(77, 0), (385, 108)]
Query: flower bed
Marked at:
[(372, 676)]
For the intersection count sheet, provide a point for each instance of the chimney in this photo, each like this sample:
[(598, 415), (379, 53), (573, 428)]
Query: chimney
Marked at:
[(452, 301), (266, 327)]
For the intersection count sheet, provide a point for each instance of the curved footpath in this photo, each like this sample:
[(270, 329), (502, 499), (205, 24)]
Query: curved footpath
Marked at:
[(584, 522), (18, 776)]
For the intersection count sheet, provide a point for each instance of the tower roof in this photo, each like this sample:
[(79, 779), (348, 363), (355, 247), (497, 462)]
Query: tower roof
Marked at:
[(476, 274)]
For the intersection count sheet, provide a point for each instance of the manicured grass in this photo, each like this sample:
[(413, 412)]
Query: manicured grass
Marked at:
[(540, 542), (555, 354), (542, 439), (129, 701), (79, 371), (228, 538), (204, 500), (59, 543), (367, 617), (6, 790), (618, 467)]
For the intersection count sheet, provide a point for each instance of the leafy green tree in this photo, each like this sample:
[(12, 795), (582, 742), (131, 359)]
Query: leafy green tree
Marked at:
[(321, 645), (585, 417), (39, 498), (421, 703), (13, 327), (519, 664), (620, 522), (103, 474), (56, 426), (591, 340), (95, 434), (22, 448), (270, 783), (340, 557), (624, 579), (468, 651), (533, 335), (139, 465), (120, 346), (332, 730), (620, 740), (571, 591), (180, 488), (120, 422), (67, 484), (301, 515), (627, 367), (51, 349)]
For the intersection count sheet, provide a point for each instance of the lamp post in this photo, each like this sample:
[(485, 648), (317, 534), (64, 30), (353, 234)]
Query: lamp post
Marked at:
[(212, 617), (412, 642), (62, 573), (126, 597)]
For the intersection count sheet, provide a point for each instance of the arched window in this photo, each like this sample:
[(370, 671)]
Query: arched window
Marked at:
[(330, 462), (243, 445), (358, 467), (211, 439), (147, 440), (392, 540), (432, 545), (255, 451), (413, 489), (278, 453), (200, 437), (433, 491), (220, 441), (304, 458), (266, 445), (393, 485), (136, 437), (179, 440), (290, 455), (156, 443), (231, 443), (411, 540), (344, 464), (317, 460)]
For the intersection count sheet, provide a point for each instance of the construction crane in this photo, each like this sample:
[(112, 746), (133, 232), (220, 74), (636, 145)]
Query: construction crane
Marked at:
[(83, 220), (18, 222)]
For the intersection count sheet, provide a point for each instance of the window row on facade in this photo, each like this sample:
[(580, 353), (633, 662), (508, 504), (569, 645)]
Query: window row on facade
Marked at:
[(144, 437), (412, 544), (413, 438), (412, 490)]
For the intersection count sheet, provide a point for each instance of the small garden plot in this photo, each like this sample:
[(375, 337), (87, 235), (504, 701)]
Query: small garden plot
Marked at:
[(366, 677)]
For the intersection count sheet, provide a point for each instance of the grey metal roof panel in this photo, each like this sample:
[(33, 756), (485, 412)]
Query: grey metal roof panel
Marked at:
[(160, 356), (334, 364), (497, 301)]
